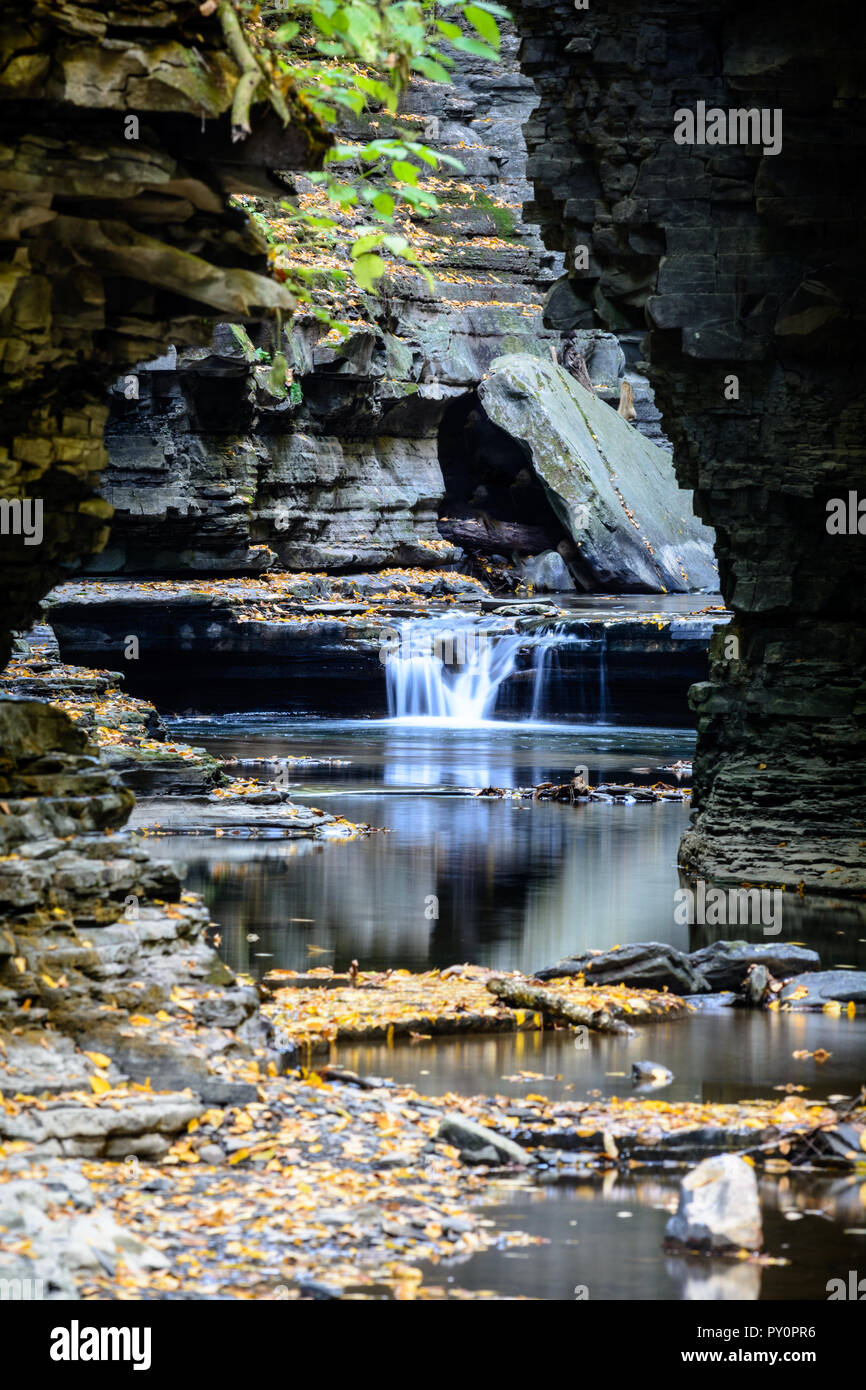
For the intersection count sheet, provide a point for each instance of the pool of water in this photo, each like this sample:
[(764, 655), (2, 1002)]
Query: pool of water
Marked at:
[(603, 1240), (505, 883), (517, 885)]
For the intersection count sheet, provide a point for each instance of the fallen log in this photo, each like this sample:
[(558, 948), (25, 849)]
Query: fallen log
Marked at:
[(518, 994), (493, 537)]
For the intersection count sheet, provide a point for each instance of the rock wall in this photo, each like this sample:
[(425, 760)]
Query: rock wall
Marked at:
[(116, 164), (209, 473), (746, 271), (115, 239)]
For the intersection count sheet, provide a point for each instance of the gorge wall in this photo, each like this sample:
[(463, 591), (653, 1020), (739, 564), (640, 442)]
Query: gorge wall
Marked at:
[(210, 473), (745, 265), (115, 239), (116, 166)]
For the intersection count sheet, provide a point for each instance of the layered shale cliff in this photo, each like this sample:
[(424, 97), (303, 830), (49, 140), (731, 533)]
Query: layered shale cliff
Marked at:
[(116, 240), (211, 473), (745, 270)]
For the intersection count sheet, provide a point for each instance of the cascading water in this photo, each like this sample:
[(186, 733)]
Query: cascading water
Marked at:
[(452, 671), (548, 666), (448, 671)]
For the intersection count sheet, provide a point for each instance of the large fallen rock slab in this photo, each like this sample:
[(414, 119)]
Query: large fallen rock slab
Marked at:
[(719, 1209), (614, 491)]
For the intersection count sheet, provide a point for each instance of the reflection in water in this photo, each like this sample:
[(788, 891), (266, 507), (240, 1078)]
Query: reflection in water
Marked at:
[(518, 885), (725, 1056), (606, 1234)]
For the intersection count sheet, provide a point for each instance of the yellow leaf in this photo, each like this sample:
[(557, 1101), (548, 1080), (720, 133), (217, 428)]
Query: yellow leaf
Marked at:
[(99, 1059), (238, 1155), (100, 1085)]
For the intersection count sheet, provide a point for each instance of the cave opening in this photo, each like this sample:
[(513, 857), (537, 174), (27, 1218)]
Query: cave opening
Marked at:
[(494, 507)]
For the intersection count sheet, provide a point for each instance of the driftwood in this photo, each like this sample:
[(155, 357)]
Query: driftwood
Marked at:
[(518, 994), (495, 537), (626, 403)]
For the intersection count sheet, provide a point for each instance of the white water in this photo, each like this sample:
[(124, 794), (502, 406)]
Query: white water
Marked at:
[(453, 672), (440, 671)]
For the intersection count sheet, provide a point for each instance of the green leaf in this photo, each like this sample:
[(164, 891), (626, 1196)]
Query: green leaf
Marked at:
[(451, 31), (428, 68), (380, 91), (404, 172), (482, 50), (287, 32), (424, 152), (484, 23), (369, 269), (398, 245), (421, 199), (277, 376), (366, 243), (384, 204)]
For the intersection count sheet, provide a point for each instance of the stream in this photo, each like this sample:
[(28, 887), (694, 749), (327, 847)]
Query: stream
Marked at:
[(517, 885)]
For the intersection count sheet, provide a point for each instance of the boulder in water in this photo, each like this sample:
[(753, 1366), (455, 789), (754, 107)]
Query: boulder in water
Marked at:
[(614, 491), (815, 988), (718, 1208), (726, 963)]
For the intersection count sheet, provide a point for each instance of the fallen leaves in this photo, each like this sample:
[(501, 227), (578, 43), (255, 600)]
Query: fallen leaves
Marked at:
[(397, 1003)]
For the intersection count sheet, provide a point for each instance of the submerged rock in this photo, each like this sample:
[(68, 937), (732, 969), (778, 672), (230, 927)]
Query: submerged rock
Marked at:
[(718, 1208), (612, 489)]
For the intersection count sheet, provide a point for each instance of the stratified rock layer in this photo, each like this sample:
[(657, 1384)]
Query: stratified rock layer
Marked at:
[(747, 270), (210, 473), (115, 239)]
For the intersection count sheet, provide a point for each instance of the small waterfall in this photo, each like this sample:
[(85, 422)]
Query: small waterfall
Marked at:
[(452, 670), (442, 670), (602, 678), (548, 667)]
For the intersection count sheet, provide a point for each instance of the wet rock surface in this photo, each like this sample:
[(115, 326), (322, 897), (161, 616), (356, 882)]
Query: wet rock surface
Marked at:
[(723, 965), (94, 284), (814, 989), (209, 473)]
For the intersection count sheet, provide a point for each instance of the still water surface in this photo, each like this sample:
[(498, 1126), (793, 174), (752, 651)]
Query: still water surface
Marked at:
[(518, 885)]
